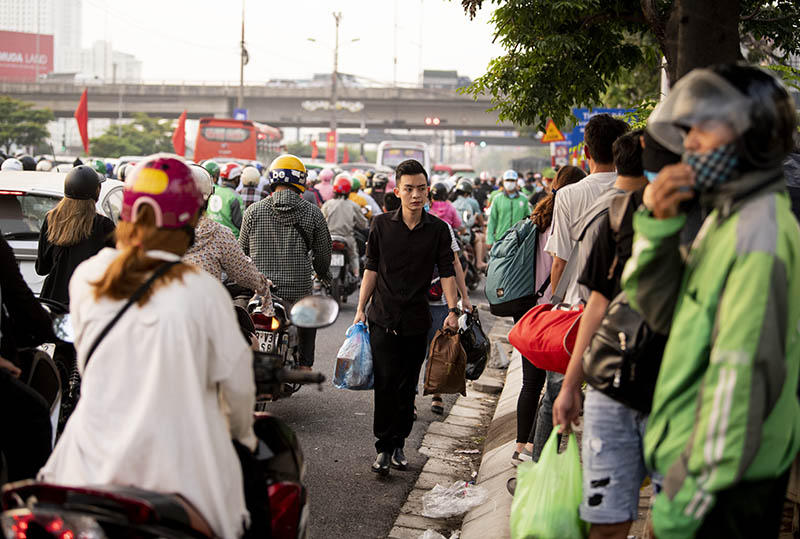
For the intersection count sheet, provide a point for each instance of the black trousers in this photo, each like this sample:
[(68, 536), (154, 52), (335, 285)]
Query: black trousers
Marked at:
[(396, 363), (306, 343)]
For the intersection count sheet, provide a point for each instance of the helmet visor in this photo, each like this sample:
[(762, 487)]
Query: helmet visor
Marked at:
[(701, 98)]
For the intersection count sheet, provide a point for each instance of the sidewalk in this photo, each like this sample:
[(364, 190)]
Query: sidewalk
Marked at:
[(492, 518)]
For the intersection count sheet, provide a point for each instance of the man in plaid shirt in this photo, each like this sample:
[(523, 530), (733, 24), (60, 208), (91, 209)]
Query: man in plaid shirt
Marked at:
[(250, 192), (278, 233)]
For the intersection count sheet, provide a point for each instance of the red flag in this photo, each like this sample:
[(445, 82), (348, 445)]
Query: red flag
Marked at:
[(330, 151), (179, 136), (345, 155), (314, 149), (82, 116)]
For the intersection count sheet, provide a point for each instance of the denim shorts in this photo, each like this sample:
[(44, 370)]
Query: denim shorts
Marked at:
[(613, 459)]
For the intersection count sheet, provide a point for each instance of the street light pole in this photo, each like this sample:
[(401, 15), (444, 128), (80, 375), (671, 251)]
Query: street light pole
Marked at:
[(334, 84), (242, 53)]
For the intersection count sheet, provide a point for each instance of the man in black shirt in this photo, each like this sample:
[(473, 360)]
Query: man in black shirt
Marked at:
[(403, 247)]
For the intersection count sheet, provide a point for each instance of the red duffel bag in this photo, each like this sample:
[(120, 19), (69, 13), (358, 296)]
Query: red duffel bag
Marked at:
[(546, 335)]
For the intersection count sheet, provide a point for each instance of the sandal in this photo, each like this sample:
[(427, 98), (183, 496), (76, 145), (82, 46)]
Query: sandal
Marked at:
[(437, 406)]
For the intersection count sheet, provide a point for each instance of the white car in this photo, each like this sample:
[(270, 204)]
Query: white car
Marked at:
[(25, 199)]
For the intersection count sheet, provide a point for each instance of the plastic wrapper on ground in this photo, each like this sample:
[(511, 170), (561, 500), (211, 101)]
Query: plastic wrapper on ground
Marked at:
[(457, 499)]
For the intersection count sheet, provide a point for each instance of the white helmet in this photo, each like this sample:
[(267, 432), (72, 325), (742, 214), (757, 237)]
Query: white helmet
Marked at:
[(44, 165), (250, 177), (202, 180), (11, 164), (312, 176)]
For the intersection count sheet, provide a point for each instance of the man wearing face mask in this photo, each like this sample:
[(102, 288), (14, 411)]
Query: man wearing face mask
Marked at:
[(507, 208), (725, 421)]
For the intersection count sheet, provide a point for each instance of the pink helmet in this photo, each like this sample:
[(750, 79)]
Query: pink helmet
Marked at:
[(164, 182), (325, 175)]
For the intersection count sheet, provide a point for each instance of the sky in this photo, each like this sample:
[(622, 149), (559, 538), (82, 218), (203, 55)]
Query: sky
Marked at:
[(194, 40)]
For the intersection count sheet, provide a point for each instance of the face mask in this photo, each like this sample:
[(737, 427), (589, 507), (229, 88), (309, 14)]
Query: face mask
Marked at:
[(510, 187), (538, 188), (650, 175), (713, 168), (427, 207)]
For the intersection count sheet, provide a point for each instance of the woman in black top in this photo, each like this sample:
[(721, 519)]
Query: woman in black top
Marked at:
[(71, 233)]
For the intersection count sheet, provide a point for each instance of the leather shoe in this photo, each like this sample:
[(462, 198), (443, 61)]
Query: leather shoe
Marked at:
[(381, 464), (399, 460)]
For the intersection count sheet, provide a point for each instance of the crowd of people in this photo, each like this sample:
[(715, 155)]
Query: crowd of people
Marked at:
[(686, 223)]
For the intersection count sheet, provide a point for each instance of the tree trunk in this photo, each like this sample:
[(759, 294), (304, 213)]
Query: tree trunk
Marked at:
[(707, 34)]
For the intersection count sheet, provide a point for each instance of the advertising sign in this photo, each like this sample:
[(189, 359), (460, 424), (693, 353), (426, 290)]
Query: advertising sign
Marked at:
[(584, 114), (21, 59)]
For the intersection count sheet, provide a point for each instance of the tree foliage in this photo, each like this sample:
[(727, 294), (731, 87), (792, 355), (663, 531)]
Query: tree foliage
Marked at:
[(143, 136), (565, 53), (21, 124)]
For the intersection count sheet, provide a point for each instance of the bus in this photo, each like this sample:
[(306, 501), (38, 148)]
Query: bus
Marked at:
[(393, 152), (225, 137)]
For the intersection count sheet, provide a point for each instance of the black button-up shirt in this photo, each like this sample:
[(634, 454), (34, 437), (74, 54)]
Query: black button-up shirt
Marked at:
[(404, 261)]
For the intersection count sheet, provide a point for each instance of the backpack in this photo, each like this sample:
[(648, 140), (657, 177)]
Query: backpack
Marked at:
[(511, 276)]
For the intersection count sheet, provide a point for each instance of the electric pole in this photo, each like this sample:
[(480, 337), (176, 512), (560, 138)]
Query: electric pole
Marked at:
[(334, 82), (242, 61)]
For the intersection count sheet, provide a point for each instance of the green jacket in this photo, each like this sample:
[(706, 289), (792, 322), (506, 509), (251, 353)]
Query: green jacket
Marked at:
[(226, 207), (725, 407), (503, 214)]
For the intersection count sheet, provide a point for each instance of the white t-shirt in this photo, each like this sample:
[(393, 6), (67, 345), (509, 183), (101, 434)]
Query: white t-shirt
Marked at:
[(149, 414), (572, 202)]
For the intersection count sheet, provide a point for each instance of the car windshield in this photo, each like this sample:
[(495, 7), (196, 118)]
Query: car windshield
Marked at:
[(22, 215)]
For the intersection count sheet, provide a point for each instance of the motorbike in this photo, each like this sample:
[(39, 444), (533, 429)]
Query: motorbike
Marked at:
[(342, 281), (33, 509)]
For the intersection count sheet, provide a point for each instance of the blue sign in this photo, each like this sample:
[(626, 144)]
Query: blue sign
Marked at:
[(239, 114), (583, 115)]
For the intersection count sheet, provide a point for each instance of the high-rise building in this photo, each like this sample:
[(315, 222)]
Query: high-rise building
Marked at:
[(30, 16), (67, 26)]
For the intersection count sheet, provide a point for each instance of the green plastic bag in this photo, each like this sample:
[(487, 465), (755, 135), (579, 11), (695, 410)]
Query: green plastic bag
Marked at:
[(548, 494)]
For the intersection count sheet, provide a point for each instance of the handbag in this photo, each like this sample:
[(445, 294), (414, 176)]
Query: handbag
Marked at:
[(624, 356), (546, 335), (447, 363), (476, 345)]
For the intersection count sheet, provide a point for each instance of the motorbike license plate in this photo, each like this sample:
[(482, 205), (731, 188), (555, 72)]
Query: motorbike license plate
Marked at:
[(337, 259), (267, 342)]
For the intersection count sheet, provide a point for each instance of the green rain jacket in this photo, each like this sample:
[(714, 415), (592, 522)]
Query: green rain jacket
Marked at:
[(226, 207), (725, 407), (503, 214)]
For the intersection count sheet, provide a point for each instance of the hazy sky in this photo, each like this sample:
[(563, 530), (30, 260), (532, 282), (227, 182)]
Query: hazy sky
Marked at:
[(199, 39)]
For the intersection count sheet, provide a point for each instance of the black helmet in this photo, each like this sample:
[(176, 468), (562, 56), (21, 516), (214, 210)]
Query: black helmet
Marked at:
[(28, 162), (465, 187), (380, 180), (768, 140), (439, 192), (81, 183)]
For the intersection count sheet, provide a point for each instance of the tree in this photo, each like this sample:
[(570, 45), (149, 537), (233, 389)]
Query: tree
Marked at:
[(143, 136), (21, 124), (562, 53)]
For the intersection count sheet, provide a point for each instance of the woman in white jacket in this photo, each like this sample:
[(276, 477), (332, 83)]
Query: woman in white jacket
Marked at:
[(149, 414)]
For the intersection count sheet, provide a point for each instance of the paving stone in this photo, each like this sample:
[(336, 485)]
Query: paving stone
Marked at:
[(453, 431), (463, 421), (488, 384), (422, 523), (401, 532), (428, 480), (445, 455), (441, 467), (446, 443), (475, 404), (464, 411)]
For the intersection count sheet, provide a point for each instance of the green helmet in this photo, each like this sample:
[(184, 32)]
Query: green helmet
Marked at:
[(213, 168), (99, 166)]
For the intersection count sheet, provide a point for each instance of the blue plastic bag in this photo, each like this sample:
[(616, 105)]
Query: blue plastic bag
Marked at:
[(354, 360)]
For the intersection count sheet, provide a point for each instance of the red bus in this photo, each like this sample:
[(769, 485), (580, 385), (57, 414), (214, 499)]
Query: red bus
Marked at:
[(225, 137)]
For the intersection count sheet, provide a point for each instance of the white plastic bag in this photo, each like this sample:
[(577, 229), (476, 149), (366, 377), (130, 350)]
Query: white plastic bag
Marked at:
[(458, 498)]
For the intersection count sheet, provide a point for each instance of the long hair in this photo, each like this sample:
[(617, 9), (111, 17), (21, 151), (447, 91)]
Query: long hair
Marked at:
[(543, 212), (70, 222), (132, 266)]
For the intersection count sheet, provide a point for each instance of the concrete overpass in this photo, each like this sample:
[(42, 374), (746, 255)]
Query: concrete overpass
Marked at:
[(384, 108)]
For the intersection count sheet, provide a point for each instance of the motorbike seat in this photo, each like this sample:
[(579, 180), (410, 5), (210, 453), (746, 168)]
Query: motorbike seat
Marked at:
[(138, 505)]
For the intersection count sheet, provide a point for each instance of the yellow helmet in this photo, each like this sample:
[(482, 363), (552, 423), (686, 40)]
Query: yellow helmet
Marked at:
[(289, 170)]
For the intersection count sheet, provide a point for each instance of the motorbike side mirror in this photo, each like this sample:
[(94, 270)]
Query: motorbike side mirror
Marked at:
[(314, 312), (62, 327)]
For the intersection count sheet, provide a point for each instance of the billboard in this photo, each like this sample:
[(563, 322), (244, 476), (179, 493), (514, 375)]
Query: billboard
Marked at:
[(21, 58)]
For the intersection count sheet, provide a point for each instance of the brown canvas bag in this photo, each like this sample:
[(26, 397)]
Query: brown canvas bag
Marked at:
[(447, 365)]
